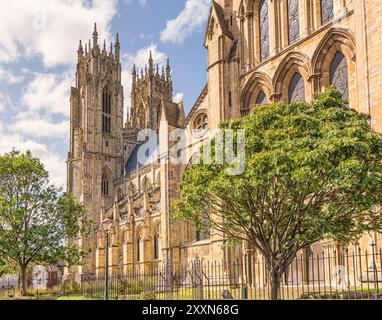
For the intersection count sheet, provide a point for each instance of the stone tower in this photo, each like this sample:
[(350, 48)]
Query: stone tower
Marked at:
[(149, 88), (95, 159)]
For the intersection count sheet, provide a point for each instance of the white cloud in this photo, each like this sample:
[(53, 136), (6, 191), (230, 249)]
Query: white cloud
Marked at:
[(142, 3), (191, 18), (9, 77), (141, 58), (5, 102), (50, 93), (178, 97), (31, 124), (53, 163), (50, 28), (46, 92)]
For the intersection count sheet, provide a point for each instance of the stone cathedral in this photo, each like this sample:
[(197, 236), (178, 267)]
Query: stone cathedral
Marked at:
[(258, 51)]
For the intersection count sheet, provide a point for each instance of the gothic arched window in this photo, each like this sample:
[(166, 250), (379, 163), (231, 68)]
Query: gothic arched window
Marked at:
[(339, 77), (106, 111), (201, 124), (293, 20), (146, 184), (297, 88), (264, 29), (327, 12), (105, 184), (261, 98)]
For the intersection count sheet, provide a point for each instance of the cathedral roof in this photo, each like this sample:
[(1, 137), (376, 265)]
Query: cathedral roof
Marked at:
[(197, 104), (136, 161), (174, 113)]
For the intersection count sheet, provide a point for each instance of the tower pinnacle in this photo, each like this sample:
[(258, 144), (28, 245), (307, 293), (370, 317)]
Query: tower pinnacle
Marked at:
[(168, 70), (117, 48), (80, 50), (151, 64), (95, 36)]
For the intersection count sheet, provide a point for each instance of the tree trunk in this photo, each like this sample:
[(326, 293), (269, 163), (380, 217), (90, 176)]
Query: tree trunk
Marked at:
[(23, 281), (275, 282)]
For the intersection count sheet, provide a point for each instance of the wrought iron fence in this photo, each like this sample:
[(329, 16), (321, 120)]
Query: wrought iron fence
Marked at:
[(38, 287), (328, 275), (343, 275)]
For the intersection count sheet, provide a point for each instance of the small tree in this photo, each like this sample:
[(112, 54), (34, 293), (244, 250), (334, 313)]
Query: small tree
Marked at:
[(313, 171), (35, 217)]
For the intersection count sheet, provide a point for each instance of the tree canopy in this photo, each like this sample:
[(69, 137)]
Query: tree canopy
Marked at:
[(35, 217), (313, 171)]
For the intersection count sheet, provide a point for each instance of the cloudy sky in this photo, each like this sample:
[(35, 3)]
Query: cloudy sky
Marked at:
[(38, 44)]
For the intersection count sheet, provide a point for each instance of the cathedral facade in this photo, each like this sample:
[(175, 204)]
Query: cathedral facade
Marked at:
[(258, 51)]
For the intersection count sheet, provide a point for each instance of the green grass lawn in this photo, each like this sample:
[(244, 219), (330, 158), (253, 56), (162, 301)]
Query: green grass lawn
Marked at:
[(188, 293)]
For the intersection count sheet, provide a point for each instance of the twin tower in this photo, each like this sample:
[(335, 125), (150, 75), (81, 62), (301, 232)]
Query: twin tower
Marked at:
[(101, 140)]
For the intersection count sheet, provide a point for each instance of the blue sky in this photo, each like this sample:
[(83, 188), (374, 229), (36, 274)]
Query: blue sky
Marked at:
[(38, 44)]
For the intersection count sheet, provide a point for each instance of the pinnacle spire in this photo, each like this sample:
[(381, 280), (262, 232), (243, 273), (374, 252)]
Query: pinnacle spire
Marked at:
[(117, 47), (151, 64), (80, 51), (95, 36), (134, 74), (111, 48), (168, 70)]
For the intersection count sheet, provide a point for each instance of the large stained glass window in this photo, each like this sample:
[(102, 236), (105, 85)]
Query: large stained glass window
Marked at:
[(293, 20), (327, 11), (339, 74), (106, 111), (264, 29), (261, 98), (297, 88)]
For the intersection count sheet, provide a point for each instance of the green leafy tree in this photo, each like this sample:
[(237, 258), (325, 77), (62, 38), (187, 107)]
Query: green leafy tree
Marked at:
[(35, 217), (6, 267), (313, 171), (3, 267)]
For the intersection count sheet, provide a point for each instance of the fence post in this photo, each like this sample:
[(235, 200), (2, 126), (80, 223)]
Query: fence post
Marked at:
[(197, 276), (169, 280), (244, 293), (375, 273)]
